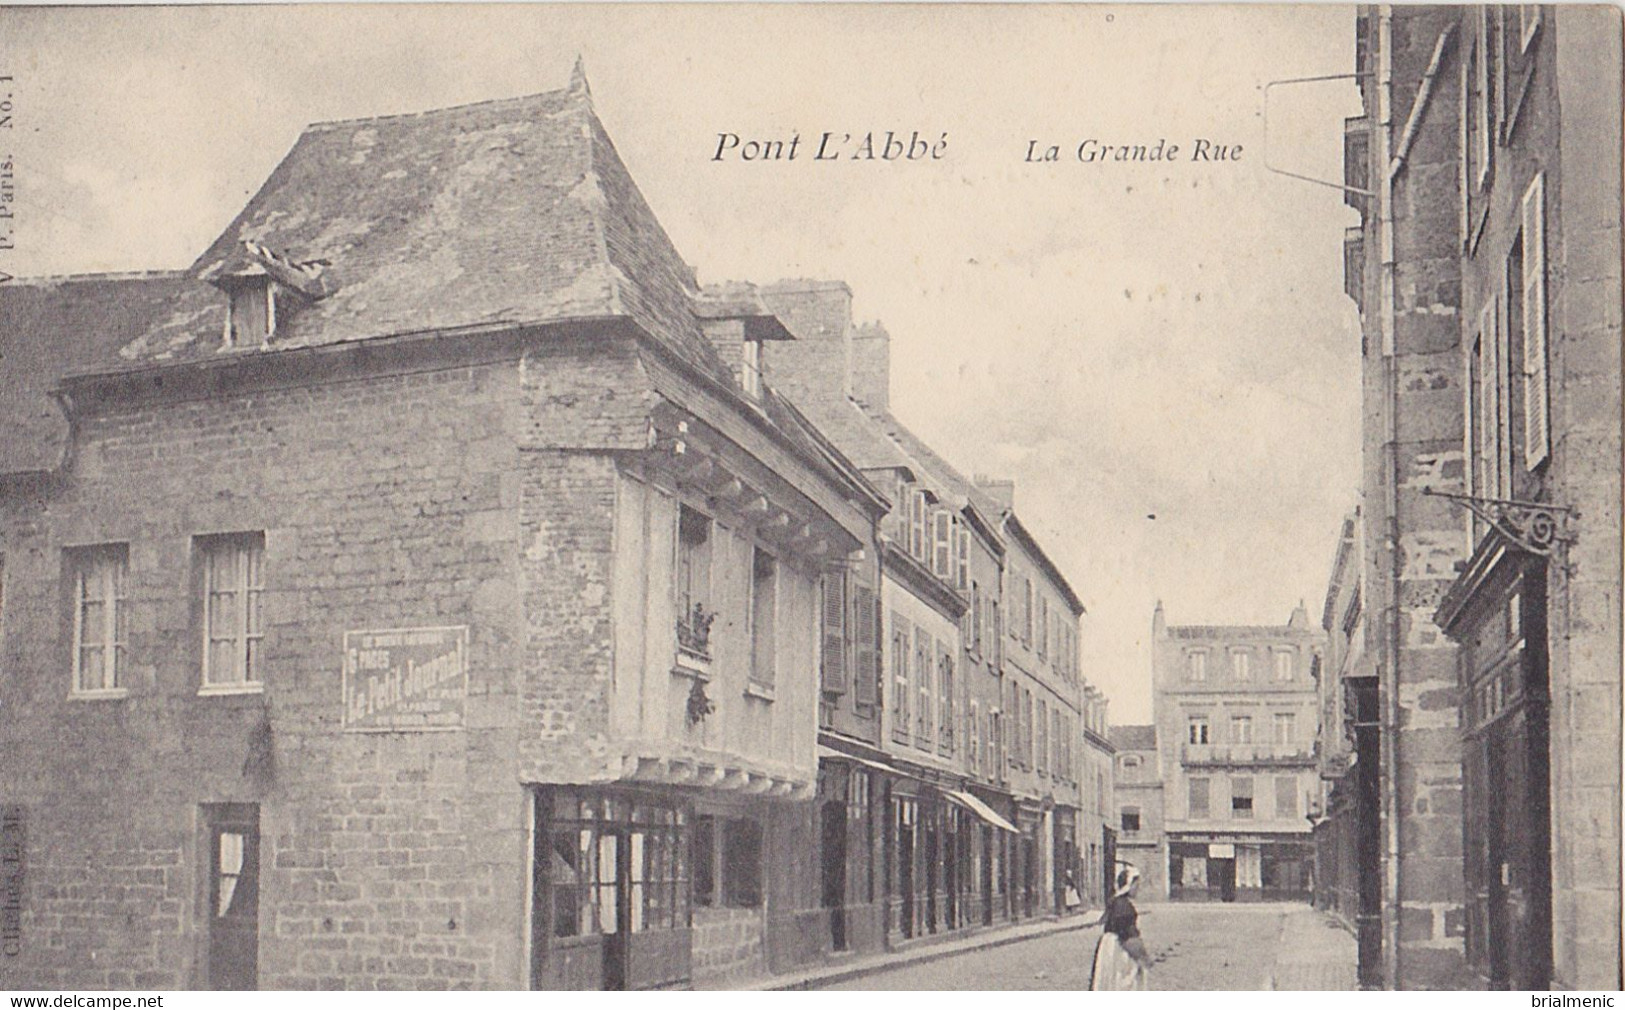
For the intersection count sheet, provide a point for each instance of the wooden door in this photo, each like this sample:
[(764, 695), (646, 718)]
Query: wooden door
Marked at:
[(233, 898)]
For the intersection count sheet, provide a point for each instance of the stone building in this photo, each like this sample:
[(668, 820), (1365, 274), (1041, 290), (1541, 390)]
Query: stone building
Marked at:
[(1141, 837), (1097, 804), (1235, 709), (1346, 825), (1486, 267), (414, 592), (981, 806)]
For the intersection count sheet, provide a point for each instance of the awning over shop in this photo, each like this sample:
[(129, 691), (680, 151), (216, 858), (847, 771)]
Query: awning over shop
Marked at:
[(831, 754), (980, 809)]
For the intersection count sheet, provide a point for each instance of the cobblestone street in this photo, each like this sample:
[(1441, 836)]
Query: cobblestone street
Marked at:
[(1274, 946)]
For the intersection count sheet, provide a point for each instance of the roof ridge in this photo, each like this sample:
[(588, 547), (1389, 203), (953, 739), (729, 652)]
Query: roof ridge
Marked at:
[(323, 125), (112, 275)]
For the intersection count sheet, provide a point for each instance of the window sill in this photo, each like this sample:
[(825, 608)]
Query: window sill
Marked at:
[(100, 694), (219, 690), (761, 691)]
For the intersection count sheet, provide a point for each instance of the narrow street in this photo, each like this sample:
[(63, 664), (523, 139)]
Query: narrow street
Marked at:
[(1250, 947)]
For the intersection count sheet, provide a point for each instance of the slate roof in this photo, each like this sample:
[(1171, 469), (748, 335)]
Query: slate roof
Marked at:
[(510, 212), (51, 325), (1134, 737)]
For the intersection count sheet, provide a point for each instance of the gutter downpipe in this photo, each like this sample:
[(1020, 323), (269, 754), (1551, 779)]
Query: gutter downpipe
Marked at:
[(1391, 166), (1390, 696)]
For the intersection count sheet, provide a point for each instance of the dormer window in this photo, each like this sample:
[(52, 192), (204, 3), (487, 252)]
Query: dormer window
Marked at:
[(252, 319), (262, 288), (750, 368)]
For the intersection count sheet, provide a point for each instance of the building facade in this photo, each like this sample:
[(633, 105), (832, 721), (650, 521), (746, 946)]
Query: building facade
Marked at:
[(381, 620), (1236, 714), (975, 741), (1346, 825), (1141, 836), (1486, 267)]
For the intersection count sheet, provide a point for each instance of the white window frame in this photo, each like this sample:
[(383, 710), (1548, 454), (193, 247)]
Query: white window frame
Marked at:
[(1288, 720), (1284, 663), (1196, 665), (107, 566), (1241, 729), (1192, 723), (247, 599), (1241, 664), (757, 684)]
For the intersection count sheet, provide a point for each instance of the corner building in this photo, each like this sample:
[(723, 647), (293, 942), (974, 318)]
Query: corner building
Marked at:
[(413, 592), (1235, 709)]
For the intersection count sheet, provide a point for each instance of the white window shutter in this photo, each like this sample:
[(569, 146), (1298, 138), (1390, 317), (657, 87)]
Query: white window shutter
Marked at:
[(1536, 399), (942, 544)]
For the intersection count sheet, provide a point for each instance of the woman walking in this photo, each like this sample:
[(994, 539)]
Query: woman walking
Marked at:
[(1121, 960)]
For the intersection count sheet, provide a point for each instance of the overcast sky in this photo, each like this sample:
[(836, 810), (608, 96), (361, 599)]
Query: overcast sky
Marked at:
[(1124, 340)]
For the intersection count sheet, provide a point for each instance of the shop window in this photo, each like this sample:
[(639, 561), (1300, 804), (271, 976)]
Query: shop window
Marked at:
[(98, 575), (703, 859), (742, 863)]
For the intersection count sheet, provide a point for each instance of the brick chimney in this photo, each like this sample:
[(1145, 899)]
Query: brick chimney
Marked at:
[(871, 365), (1001, 491)]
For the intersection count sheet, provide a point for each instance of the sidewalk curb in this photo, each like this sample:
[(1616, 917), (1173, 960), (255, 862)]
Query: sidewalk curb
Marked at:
[(990, 939)]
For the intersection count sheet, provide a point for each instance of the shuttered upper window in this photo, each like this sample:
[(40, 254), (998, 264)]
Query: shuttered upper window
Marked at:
[(834, 623), (1537, 406), (866, 671)]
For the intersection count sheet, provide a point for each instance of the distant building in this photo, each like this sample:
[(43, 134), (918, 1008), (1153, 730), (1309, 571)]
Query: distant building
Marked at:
[(1236, 711), (1141, 839)]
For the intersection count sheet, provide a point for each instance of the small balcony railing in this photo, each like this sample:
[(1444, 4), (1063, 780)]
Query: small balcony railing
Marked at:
[(1248, 753)]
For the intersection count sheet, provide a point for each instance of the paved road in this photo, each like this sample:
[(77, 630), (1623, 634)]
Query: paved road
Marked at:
[(1197, 947)]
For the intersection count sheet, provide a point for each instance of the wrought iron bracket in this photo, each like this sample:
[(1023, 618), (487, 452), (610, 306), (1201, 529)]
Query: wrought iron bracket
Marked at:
[(1537, 527)]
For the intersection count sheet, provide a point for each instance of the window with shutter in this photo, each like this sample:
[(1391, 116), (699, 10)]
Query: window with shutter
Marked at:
[(1537, 406), (942, 544), (1043, 627), (998, 637), (901, 639), (962, 563), (866, 664), (1026, 611), (923, 672), (917, 523), (834, 637)]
